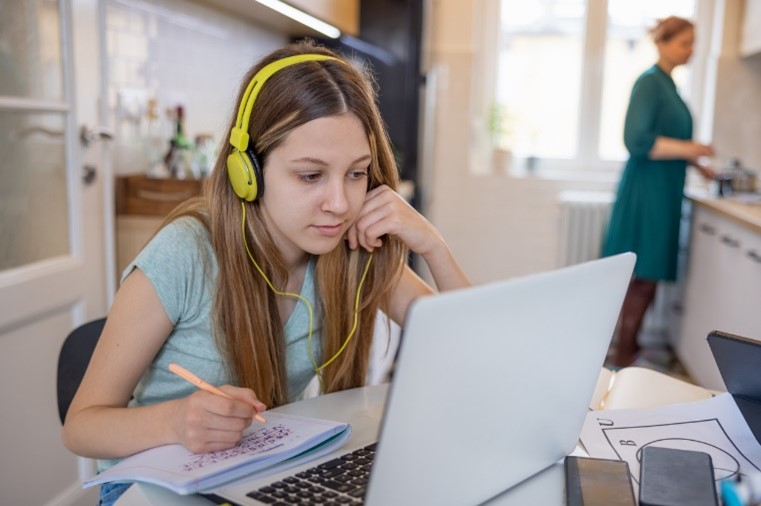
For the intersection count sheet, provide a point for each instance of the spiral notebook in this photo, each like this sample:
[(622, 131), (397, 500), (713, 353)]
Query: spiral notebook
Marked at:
[(264, 447)]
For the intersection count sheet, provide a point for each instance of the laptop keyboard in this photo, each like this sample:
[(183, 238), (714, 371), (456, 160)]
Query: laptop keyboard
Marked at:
[(342, 480)]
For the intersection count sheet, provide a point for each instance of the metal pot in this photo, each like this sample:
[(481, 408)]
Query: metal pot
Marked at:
[(736, 179), (744, 180)]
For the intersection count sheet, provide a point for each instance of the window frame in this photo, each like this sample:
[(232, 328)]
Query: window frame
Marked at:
[(587, 165)]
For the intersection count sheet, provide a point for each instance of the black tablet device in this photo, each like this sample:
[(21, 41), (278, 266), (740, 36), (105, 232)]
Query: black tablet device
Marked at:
[(672, 477), (739, 360)]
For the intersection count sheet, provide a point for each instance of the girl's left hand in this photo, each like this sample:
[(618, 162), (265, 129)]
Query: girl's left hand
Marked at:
[(386, 212)]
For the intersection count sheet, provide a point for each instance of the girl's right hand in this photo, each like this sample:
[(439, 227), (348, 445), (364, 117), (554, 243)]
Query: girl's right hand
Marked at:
[(208, 422)]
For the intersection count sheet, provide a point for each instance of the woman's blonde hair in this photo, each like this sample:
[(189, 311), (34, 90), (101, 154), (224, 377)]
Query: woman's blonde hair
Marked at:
[(665, 29), (247, 325)]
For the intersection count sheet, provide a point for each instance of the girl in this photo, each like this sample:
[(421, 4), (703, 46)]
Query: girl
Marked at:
[(273, 276)]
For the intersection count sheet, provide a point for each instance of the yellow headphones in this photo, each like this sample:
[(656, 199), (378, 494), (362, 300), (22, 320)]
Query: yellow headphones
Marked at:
[(244, 169)]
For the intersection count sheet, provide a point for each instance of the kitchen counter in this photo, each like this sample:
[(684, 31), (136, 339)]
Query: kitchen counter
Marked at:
[(734, 208)]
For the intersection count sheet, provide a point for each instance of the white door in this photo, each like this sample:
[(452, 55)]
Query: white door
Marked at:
[(53, 231)]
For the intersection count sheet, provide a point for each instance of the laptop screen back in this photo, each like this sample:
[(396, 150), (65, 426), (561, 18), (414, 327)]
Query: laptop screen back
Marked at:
[(493, 383)]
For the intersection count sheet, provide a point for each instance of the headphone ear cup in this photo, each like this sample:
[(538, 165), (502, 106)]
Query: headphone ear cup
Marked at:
[(256, 164), (242, 175)]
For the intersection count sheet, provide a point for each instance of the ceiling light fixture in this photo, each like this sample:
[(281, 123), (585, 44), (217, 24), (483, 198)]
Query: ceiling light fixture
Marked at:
[(302, 17)]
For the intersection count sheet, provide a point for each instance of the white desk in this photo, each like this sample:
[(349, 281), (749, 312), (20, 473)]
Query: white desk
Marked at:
[(363, 409)]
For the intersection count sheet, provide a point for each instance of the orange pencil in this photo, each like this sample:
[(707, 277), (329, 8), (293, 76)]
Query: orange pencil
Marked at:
[(192, 378)]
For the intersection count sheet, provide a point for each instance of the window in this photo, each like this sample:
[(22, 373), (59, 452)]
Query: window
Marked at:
[(563, 75)]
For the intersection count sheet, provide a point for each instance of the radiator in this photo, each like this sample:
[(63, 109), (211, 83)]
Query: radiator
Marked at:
[(583, 219)]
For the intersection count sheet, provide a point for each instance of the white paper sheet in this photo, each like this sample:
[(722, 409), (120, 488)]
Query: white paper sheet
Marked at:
[(714, 426)]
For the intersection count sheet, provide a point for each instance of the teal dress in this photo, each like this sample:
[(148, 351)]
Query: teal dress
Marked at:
[(647, 210)]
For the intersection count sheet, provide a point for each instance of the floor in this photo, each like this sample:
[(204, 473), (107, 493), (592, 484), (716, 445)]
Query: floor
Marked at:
[(657, 356), (655, 337)]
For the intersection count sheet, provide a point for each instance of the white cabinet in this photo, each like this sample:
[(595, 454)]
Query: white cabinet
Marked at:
[(750, 43), (722, 290)]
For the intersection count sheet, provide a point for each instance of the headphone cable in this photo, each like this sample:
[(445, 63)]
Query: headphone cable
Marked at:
[(317, 369)]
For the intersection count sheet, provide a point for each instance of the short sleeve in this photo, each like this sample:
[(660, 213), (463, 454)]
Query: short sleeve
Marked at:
[(640, 127), (178, 263)]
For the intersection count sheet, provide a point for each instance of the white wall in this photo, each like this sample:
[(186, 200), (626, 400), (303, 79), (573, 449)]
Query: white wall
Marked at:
[(737, 99), (178, 52)]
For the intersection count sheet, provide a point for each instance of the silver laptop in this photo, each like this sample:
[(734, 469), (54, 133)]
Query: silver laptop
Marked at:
[(492, 386)]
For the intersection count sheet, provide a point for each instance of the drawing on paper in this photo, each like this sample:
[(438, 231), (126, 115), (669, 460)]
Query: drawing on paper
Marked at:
[(260, 441), (707, 436)]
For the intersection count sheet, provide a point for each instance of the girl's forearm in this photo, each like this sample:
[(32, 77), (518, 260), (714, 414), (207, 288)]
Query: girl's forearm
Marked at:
[(104, 432), (444, 268)]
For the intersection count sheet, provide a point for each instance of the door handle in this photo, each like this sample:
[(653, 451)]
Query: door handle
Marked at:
[(87, 135), (88, 174), (730, 241)]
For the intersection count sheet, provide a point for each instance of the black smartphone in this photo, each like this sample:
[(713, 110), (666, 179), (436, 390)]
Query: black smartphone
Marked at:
[(598, 482), (671, 477)]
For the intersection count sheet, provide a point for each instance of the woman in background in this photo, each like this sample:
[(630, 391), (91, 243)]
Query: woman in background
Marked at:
[(646, 214)]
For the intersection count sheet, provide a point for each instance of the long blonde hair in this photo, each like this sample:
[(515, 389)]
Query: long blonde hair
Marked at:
[(247, 325)]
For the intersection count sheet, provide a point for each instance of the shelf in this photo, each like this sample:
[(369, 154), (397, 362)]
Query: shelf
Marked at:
[(138, 195)]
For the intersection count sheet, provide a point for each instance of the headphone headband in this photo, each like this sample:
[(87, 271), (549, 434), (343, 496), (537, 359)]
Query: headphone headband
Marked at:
[(239, 137), (244, 169)]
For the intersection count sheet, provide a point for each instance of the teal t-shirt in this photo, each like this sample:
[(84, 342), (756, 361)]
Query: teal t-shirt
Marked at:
[(180, 264)]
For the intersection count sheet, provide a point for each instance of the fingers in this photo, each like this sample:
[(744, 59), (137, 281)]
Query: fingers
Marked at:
[(372, 226), (708, 173), (214, 440), (371, 203), (351, 236), (385, 212), (381, 214), (217, 412), (209, 421), (245, 395)]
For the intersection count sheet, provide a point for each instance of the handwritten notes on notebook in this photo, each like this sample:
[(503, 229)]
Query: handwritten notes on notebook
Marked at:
[(261, 441), (282, 437)]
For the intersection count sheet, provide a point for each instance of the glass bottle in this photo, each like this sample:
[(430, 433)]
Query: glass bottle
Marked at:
[(177, 157), (156, 137)]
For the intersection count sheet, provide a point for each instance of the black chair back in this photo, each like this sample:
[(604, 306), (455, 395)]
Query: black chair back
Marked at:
[(73, 360)]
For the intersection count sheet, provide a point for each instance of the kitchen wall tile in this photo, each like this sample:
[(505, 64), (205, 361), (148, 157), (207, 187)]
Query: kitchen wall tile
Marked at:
[(178, 52)]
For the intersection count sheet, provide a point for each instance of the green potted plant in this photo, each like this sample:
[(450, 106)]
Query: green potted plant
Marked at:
[(500, 127)]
